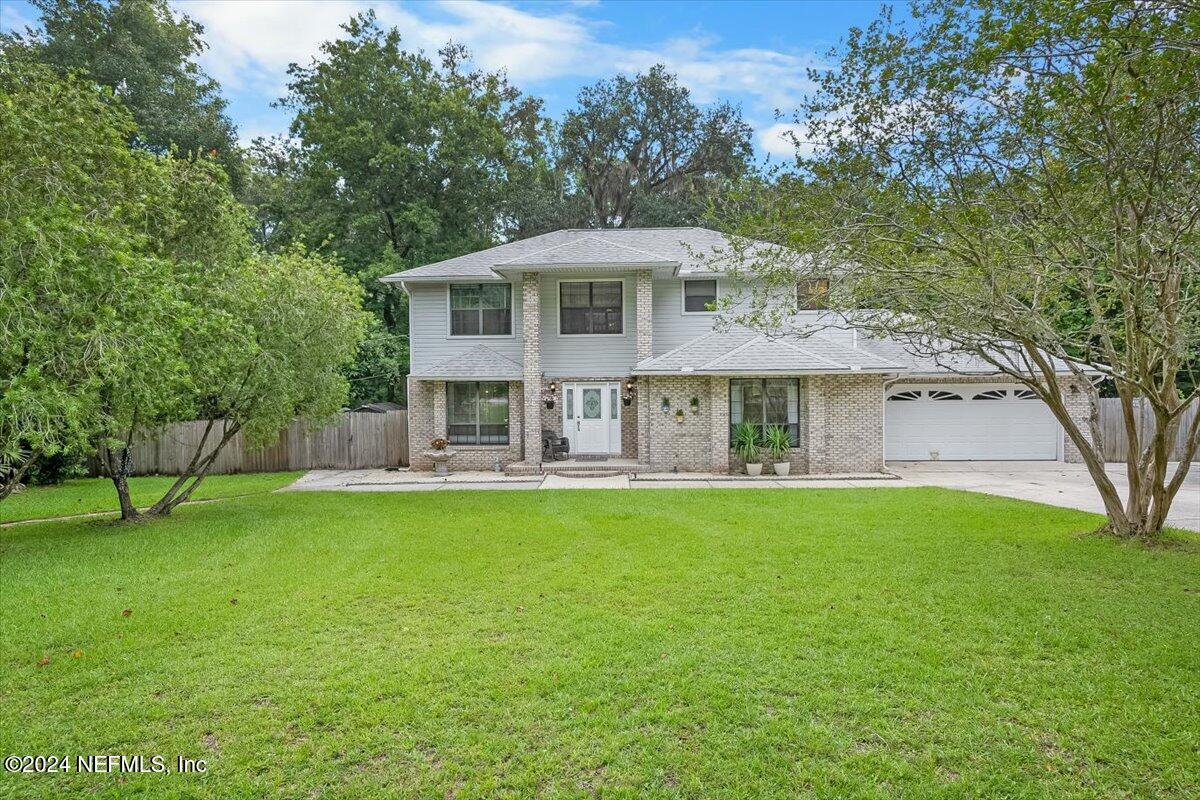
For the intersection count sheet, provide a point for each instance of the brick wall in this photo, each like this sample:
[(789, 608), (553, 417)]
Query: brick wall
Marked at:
[(421, 429), (427, 421), (844, 423), (841, 425), (680, 446)]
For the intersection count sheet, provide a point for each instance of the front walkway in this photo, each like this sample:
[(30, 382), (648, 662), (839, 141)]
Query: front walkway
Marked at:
[(382, 480)]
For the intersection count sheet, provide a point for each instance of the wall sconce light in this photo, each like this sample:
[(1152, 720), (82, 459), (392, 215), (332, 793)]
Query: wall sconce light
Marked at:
[(627, 397), (666, 405), (551, 393)]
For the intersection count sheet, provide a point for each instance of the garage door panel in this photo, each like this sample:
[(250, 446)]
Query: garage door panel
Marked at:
[(961, 430)]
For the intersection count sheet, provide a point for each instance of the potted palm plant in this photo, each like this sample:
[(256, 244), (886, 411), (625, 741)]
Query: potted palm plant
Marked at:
[(746, 445), (779, 442)]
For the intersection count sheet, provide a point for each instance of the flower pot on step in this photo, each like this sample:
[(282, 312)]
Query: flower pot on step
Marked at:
[(754, 469), (783, 468)]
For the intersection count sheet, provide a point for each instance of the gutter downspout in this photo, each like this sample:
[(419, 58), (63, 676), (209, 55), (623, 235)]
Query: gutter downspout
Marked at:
[(887, 384)]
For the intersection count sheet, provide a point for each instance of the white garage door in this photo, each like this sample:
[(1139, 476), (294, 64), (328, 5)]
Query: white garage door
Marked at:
[(966, 422)]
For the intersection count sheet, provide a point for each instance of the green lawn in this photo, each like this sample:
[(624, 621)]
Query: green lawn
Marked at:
[(87, 495), (903, 642)]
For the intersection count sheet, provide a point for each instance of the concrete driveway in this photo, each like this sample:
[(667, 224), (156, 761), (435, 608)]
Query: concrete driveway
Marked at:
[(1047, 482)]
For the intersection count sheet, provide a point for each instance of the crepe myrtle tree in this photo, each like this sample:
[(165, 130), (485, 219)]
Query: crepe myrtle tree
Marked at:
[(299, 322), (1015, 181)]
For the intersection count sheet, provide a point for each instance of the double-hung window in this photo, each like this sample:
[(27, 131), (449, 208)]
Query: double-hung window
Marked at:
[(590, 307), (766, 401), (477, 412), (480, 309), (699, 296), (812, 294)]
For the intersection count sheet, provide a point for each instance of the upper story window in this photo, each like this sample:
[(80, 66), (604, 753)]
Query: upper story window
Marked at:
[(699, 296), (480, 309), (591, 307), (812, 294)]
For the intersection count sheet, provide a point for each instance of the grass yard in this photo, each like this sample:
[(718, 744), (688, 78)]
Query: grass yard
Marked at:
[(656, 643), (88, 495)]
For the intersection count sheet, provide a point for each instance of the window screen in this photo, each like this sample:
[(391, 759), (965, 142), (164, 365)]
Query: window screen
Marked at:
[(590, 307), (699, 296), (480, 309)]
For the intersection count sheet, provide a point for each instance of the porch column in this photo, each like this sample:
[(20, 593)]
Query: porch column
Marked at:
[(645, 349), (719, 398), (531, 331)]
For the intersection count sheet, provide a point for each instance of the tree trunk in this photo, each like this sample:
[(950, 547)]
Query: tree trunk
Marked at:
[(197, 471), (13, 479), (119, 467)]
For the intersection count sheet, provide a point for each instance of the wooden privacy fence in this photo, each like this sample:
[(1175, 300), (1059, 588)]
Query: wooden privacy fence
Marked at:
[(359, 440), (1112, 421)]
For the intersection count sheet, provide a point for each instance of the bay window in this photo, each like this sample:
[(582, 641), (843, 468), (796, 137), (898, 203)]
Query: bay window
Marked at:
[(766, 401), (477, 412)]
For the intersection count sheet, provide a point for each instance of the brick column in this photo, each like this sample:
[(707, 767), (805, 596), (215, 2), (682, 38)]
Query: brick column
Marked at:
[(420, 423), (645, 314), (531, 332), (719, 425), (817, 406), (643, 419), (1078, 401), (645, 348), (438, 391)]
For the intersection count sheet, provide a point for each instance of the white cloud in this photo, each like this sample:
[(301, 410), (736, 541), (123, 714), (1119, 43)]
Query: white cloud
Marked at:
[(252, 42), (15, 18), (781, 139)]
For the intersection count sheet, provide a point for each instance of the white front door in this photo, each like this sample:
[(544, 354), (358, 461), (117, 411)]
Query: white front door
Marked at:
[(592, 417)]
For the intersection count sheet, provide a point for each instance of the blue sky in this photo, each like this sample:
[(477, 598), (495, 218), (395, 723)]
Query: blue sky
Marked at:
[(751, 53)]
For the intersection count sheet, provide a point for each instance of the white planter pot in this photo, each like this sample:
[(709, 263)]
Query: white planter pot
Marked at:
[(754, 469), (783, 468)]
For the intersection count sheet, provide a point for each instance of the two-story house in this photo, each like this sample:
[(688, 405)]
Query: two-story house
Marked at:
[(606, 337)]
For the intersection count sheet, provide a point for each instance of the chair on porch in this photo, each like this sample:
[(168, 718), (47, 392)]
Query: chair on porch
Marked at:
[(554, 447)]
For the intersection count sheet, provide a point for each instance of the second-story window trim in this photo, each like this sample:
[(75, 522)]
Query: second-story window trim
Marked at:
[(479, 309), (591, 308)]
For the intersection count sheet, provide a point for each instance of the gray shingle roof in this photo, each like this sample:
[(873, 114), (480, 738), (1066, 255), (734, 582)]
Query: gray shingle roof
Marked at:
[(693, 249), (745, 352), (587, 250), (480, 363), (948, 364)]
